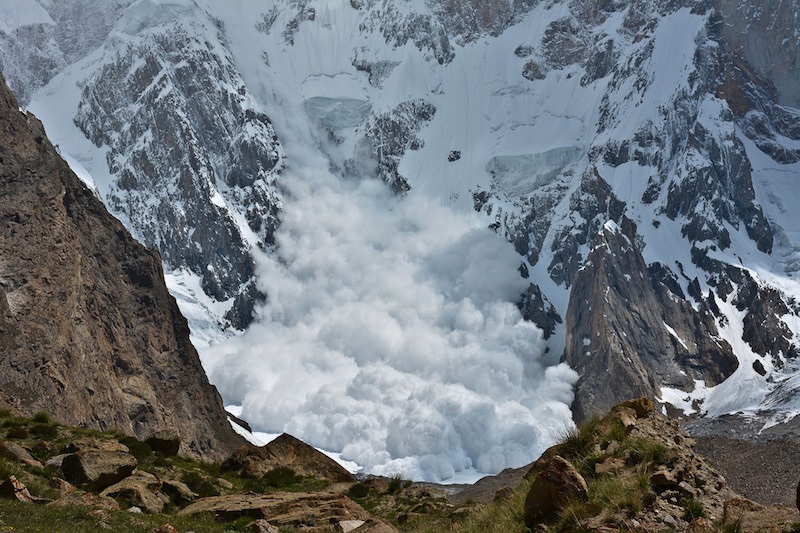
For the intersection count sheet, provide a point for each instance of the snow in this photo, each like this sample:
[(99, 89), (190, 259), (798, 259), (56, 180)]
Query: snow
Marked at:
[(675, 334), (15, 14)]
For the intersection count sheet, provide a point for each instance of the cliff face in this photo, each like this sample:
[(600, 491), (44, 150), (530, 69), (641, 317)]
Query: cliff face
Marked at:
[(88, 331), (630, 328)]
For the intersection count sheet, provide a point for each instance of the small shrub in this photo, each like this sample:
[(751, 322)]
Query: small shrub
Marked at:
[(17, 432), (693, 509), (41, 418), (359, 490), (575, 443), (624, 493), (614, 431), (644, 451), (395, 484), (280, 477), (5, 413), (45, 431), (732, 527)]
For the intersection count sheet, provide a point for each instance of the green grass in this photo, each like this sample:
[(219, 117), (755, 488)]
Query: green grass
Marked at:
[(693, 509), (41, 418), (27, 518)]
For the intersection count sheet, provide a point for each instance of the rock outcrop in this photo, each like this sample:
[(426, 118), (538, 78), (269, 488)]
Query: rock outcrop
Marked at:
[(285, 451), (556, 485), (282, 508), (631, 330), (88, 331), (659, 482)]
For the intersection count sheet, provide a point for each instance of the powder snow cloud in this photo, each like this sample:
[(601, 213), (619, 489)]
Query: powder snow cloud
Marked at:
[(390, 332)]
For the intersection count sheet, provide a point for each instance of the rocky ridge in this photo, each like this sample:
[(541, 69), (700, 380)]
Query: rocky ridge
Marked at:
[(637, 470), (88, 331)]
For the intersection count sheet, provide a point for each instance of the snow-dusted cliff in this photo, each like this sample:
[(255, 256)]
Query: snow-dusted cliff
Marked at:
[(641, 158)]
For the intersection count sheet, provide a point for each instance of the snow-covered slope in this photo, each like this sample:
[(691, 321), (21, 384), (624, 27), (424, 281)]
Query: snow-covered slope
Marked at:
[(244, 139)]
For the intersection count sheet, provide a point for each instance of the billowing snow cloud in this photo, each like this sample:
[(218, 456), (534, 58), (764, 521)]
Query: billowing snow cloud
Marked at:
[(391, 334)]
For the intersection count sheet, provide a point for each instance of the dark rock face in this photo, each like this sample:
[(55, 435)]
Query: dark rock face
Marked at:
[(389, 135), (765, 33), (187, 152), (88, 330), (596, 204), (537, 309), (628, 333)]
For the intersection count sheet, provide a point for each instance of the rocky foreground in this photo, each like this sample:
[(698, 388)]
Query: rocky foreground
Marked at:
[(637, 470), (633, 470)]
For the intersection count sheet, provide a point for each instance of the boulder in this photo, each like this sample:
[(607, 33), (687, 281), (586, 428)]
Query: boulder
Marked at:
[(54, 463), (141, 489), (557, 484), (282, 509), (63, 486), (346, 526), (610, 466), (641, 406), (13, 489), (97, 469), (664, 479), (178, 491), (14, 451), (285, 451), (164, 442)]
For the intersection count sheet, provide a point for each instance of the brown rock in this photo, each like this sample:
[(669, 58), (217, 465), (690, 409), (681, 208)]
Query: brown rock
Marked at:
[(642, 406), (16, 452), (285, 451), (664, 479), (86, 499), (97, 469), (282, 508), (557, 484), (756, 517), (13, 489), (262, 526), (88, 330), (610, 466), (178, 491), (224, 483), (63, 486), (140, 490), (372, 525)]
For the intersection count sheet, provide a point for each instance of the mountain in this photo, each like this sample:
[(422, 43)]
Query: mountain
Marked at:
[(88, 331), (642, 158)]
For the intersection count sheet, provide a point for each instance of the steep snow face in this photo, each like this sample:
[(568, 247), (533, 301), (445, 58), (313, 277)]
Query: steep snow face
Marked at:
[(178, 149), (548, 122)]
